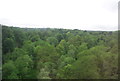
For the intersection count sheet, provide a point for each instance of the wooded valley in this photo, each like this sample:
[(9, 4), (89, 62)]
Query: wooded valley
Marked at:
[(49, 53)]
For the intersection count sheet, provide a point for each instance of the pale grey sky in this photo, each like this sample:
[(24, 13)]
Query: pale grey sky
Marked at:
[(70, 14)]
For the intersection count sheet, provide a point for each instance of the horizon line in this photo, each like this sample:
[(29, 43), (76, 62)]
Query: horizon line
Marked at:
[(57, 28)]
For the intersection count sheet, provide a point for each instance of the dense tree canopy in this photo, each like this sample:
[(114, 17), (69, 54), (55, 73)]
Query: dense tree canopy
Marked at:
[(44, 53)]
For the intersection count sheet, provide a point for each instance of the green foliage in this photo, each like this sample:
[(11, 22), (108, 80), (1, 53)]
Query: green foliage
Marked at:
[(85, 67), (59, 37), (43, 74), (52, 40), (62, 47), (8, 45), (44, 53), (10, 71), (24, 65), (72, 51), (19, 37)]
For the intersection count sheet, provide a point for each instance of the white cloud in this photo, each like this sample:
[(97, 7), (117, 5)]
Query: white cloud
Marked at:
[(78, 14)]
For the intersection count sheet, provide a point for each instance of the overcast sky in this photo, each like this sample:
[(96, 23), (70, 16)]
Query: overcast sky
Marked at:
[(69, 14)]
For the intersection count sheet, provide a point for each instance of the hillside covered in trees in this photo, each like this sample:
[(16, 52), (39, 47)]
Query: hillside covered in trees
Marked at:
[(47, 53)]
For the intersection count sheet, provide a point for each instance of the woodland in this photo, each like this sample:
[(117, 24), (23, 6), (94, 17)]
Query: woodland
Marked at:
[(52, 53)]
